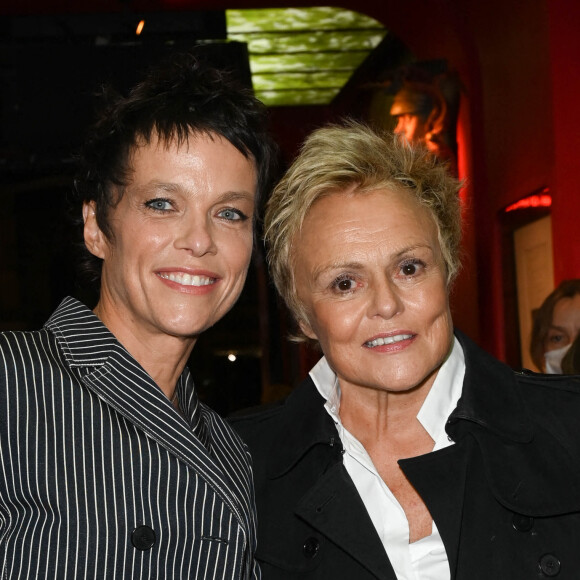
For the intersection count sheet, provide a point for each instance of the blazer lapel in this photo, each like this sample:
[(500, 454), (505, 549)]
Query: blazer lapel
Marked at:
[(110, 372), (334, 508), (124, 385)]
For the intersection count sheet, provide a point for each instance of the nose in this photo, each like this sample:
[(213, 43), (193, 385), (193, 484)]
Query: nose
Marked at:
[(196, 235), (384, 300)]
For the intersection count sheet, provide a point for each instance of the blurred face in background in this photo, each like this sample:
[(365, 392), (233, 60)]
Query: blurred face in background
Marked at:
[(562, 332)]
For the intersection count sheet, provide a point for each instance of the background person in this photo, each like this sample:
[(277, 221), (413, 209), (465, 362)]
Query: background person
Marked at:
[(111, 466), (556, 324), (408, 452), (571, 360)]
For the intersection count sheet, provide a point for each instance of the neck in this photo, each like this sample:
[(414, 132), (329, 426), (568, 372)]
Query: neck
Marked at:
[(377, 417), (162, 356)]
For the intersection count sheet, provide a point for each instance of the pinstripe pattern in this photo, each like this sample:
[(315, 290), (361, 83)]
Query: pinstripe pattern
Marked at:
[(90, 449)]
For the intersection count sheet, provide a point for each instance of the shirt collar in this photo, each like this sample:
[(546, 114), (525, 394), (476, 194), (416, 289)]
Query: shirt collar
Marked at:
[(443, 395), (326, 382), (438, 405)]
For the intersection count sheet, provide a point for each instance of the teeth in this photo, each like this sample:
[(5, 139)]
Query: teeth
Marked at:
[(187, 279), (388, 340)]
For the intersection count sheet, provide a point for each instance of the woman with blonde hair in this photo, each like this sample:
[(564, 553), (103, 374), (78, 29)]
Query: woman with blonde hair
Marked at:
[(408, 452)]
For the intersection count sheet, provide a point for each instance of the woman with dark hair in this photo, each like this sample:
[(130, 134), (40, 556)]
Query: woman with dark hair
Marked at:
[(111, 467), (556, 325)]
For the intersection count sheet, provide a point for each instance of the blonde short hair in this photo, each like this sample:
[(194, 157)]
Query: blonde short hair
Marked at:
[(337, 157)]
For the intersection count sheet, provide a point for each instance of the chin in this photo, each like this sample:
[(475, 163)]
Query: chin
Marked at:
[(185, 329)]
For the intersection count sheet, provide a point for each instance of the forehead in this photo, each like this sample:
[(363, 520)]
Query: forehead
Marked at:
[(347, 219), (184, 143), (200, 153), (567, 312), (379, 205)]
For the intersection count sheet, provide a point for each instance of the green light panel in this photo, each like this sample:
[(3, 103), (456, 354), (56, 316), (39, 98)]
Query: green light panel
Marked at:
[(303, 56)]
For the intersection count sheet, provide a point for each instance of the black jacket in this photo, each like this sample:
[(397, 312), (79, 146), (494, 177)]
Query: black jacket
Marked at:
[(505, 497)]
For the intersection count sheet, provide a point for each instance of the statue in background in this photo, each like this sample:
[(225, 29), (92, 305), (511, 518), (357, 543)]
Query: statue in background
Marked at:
[(424, 108)]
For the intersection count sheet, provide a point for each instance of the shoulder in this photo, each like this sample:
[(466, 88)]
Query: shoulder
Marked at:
[(258, 417), (19, 348), (257, 425), (513, 400), (552, 401), (526, 427)]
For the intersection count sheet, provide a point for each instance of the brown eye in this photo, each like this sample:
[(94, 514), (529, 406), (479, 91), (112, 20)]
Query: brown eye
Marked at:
[(409, 269), (344, 285)]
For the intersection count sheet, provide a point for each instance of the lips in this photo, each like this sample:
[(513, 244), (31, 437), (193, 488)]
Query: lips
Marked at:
[(186, 279), (386, 340)]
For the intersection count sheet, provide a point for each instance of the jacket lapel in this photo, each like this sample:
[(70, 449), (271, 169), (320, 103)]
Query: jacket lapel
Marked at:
[(332, 505), (112, 374), (334, 508), (439, 478)]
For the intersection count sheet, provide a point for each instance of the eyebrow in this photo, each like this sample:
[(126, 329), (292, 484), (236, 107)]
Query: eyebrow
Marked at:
[(236, 195), (558, 328), (176, 188), (359, 266), (319, 272)]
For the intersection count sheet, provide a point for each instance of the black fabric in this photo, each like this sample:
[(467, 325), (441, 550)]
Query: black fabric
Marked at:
[(505, 497)]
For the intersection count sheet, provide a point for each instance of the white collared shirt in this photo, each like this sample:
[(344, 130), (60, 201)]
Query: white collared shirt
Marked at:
[(425, 559)]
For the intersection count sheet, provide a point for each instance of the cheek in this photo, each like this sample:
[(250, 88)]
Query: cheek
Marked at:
[(336, 323), (432, 298), (129, 246), (238, 255)]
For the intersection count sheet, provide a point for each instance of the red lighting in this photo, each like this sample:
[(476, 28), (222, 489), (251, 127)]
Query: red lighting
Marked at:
[(542, 199)]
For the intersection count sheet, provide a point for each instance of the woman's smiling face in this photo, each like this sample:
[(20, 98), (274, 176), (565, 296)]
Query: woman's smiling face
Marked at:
[(370, 276), (182, 239)]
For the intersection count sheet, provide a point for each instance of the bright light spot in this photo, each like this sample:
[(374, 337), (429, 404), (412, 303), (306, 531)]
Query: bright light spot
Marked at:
[(543, 199), (140, 27), (231, 357)]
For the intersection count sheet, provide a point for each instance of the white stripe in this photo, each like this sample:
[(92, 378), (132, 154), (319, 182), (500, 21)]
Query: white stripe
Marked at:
[(78, 473)]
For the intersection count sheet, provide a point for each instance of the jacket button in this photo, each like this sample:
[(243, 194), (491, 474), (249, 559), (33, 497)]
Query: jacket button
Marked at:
[(522, 523), (311, 547), (549, 565), (143, 538)]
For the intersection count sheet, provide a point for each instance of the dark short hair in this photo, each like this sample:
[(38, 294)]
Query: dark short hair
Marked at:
[(182, 96), (543, 318)]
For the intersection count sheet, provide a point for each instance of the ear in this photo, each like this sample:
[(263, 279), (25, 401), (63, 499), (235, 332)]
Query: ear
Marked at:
[(95, 240), (307, 329)]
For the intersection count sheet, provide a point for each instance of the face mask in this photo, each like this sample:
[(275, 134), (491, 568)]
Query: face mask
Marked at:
[(554, 359)]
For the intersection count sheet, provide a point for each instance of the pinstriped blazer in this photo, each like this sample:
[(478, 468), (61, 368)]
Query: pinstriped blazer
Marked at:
[(100, 477)]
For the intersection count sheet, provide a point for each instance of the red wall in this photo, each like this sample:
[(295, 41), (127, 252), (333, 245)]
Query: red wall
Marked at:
[(519, 65), (519, 62), (564, 23)]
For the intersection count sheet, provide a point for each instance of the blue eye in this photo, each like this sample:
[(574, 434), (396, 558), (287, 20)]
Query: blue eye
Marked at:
[(159, 204), (231, 214)]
